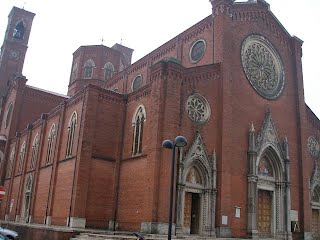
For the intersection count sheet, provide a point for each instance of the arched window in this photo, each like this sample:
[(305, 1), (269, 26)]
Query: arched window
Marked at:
[(8, 115), (88, 68), (315, 198), (138, 122), (22, 155), (71, 129), (12, 155), (137, 82), (51, 138), (34, 153), (108, 70), (27, 200), (19, 30)]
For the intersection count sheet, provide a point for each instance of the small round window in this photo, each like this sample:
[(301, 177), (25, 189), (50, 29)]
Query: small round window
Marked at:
[(137, 82), (198, 109), (197, 51)]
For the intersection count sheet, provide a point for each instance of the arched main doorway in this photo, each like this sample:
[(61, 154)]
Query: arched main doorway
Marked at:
[(269, 202), (196, 191), (271, 192)]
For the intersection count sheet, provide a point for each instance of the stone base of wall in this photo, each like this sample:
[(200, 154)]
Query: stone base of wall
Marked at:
[(113, 226), (156, 228), (40, 232), (224, 232)]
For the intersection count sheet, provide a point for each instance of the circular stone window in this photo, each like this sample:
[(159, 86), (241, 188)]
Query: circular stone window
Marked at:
[(262, 66), (197, 51), (313, 146), (198, 108)]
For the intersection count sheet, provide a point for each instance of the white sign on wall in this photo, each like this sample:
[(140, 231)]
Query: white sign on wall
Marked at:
[(225, 220), (294, 216), (238, 210)]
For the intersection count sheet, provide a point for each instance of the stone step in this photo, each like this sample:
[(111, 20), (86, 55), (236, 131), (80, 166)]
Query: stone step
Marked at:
[(105, 236)]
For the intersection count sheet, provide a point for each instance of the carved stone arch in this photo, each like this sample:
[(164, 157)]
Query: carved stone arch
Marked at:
[(271, 191), (272, 154), (202, 164), (315, 201), (204, 174), (196, 195)]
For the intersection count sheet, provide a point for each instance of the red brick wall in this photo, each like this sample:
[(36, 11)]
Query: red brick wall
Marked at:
[(134, 194), (63, 192), (100, 194), (41, 195), (31, 106)]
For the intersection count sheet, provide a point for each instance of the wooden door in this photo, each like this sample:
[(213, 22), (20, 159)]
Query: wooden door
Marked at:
[(195, 214), (315, 223), (264, 213)]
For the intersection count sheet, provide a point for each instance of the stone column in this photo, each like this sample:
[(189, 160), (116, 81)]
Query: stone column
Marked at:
[(288, 192), (252, 187), (179, 216), (180, 192)]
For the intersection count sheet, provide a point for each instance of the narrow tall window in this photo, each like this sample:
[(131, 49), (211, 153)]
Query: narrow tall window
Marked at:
[(34, 153), (22, 155), (108, 70), (8, 115), (25, 213), (138, 131), (12, 155), (88, 68), (51, 138), (71, 129)]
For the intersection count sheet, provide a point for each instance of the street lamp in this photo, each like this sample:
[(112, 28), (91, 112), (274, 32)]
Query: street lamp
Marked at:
[(180, 141)]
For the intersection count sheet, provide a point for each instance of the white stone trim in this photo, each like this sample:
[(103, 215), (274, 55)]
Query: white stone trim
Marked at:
[(76, 222)]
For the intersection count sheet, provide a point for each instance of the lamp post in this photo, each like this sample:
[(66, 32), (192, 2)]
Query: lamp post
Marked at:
[(180, 141)]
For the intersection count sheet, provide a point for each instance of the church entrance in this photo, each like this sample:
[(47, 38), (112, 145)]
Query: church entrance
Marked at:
[(196, 191), (315, 223), (264, 213), (192, 212)]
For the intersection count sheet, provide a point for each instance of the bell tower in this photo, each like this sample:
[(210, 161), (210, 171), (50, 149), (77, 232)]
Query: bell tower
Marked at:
[(15, 45)]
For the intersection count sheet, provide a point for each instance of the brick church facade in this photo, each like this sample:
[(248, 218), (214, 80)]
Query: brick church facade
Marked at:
[(231, 84)]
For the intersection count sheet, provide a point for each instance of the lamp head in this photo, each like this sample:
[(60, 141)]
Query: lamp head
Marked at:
[(167, 144), (180, 141)]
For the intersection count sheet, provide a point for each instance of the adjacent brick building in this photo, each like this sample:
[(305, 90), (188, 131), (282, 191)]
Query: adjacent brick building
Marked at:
[(231, 84)]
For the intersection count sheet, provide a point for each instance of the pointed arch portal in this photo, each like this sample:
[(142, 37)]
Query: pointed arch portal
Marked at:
[(196, 191), (269, 202)]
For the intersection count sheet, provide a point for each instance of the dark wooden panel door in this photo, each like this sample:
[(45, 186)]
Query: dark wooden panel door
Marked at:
[(195, 214)]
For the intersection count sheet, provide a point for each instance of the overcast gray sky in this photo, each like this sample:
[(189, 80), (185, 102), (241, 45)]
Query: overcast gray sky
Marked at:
[(61, 26)]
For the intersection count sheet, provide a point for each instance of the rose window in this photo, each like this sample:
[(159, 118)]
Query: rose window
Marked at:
[(262, 66), (198, 109)]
